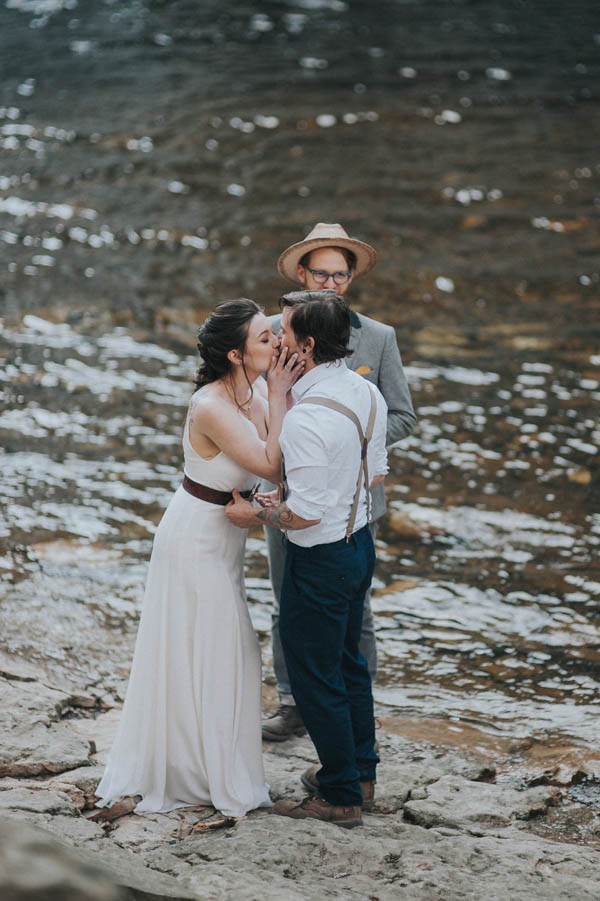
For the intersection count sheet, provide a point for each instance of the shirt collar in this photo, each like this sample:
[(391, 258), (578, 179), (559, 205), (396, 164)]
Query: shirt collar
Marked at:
[(314, 376)]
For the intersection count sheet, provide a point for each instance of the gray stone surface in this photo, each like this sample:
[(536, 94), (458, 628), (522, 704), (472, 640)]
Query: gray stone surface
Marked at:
[(34, 741), (461, 804), (35, 864), (42, 801), (41, 750), (440, 827)]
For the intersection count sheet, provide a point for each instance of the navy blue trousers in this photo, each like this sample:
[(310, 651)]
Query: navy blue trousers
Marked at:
[(322, 599)]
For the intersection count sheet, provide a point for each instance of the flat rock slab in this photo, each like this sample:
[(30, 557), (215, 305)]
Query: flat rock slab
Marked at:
[(79, 784), (42, 750), (34, 865), (17, 669), (398, 780), (459, 803), (84, 779), (75, 831), (386, 859), (466, 839), (515, 867), (34, 740), (23, 702), (50, 802)]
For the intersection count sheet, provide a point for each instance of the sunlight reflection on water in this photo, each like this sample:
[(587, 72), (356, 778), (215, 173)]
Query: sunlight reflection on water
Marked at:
[(487, 584), (509, 655)]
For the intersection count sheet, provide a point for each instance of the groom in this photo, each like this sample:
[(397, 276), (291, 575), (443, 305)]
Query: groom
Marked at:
[(329, 259), (333, 444)]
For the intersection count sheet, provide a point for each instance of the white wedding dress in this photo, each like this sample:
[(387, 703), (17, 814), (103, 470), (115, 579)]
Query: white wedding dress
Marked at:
[(189, 733)]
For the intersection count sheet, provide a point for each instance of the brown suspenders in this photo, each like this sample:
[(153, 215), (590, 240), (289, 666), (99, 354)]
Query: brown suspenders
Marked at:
[(364, 437)]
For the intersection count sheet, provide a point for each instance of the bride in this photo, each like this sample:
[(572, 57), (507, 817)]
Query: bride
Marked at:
[(189, 733)]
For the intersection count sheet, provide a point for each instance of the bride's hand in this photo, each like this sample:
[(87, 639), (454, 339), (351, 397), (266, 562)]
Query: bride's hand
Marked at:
[(268, 498), (284, 371)]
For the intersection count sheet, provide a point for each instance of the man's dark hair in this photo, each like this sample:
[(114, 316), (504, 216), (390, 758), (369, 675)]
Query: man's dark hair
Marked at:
[(323, 316), (348, 255)]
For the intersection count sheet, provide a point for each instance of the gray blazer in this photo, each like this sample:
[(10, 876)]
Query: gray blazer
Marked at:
[(376, 357)]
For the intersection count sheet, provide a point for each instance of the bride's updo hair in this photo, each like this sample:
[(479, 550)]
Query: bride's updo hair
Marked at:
[(225, 329)]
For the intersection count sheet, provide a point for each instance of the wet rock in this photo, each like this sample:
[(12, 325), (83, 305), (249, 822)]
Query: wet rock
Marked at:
[(457, 803), (401, 525), (580, 476), (439, 340)]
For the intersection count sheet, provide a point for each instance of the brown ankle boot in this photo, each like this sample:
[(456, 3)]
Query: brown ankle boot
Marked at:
[(316, 808), (311, 783)]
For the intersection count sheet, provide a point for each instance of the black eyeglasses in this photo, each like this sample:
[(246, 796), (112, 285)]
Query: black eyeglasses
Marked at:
[(320, 276)]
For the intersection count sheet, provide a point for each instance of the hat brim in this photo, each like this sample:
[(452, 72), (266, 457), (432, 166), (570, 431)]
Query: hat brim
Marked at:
[(287, 264)]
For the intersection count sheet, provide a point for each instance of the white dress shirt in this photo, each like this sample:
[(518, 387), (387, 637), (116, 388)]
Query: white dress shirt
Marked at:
[(322, 452)]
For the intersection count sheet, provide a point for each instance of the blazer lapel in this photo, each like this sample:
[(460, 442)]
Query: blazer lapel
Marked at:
[(355, 333), (355, 336)]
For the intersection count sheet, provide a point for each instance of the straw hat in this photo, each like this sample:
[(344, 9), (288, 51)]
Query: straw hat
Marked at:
[(326, 234)]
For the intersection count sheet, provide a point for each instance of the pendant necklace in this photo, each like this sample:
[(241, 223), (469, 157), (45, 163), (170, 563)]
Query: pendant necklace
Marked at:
[(241, 406)]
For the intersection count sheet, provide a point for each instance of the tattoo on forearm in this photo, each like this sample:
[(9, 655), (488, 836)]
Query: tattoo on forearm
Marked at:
[(278, 517)]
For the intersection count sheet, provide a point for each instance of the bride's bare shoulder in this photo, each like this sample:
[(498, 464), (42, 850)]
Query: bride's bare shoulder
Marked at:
[(207, 400)]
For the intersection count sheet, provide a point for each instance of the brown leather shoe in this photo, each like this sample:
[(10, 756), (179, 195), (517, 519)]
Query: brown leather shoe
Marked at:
[(316, 808), (311, 783), (284, 724)]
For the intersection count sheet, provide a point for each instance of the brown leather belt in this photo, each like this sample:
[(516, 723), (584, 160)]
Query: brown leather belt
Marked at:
[(211, 495)]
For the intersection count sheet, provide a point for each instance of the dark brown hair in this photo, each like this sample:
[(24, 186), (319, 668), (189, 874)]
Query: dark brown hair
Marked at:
[(225, 329), (323, 316)]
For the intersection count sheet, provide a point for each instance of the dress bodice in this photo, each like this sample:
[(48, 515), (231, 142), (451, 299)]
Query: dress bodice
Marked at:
[(220, 472)]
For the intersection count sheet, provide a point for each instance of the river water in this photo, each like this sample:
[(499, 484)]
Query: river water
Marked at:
[(156, 158)]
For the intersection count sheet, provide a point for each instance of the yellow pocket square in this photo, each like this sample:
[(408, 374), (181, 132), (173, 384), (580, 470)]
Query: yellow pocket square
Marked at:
[(363, 370)]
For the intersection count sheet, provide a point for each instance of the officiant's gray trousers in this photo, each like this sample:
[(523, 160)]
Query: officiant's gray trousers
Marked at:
[(276, 549)]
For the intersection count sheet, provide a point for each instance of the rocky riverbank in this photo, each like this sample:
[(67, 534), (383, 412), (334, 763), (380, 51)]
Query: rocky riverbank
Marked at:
[(446, 824)]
